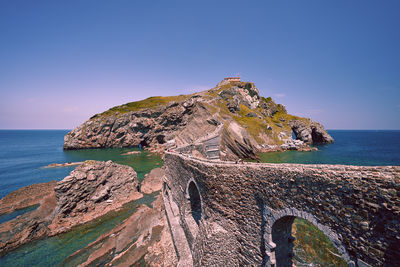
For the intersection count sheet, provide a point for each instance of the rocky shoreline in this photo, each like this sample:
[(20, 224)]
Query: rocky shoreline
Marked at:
[(144, 235), (91, 191), (26, 197)]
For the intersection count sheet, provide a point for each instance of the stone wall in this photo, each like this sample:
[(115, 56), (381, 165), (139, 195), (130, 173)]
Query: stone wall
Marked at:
[(246, 210)]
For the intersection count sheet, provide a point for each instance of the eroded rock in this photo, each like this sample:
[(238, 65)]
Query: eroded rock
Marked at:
[(90, 191), (25, 197), (310, 132)]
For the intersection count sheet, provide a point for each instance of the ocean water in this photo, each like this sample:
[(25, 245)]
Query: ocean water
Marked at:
[(351, 147), (24, 153)]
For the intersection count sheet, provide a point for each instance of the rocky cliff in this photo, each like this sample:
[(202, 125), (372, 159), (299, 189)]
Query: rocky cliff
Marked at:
[(242, 122), (89, 192), (92, 190)]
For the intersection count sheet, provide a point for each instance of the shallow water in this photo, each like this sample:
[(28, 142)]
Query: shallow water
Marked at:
[(53, 250), (16, 213)]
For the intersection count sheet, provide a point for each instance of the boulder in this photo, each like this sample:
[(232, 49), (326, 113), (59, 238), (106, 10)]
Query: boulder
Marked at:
[(91, 190)]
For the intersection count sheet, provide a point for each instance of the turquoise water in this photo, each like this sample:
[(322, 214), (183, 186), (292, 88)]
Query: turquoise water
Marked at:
[(54, 250), (23, 154), (367, 148)]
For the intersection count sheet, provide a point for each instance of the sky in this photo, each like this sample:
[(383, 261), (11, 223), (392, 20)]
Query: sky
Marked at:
[(61, 62)]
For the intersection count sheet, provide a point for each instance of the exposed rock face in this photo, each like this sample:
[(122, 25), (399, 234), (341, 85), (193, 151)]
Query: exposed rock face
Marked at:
[(27, 227), (152, 181), (144, 235), (241, 94), (25, 197), (310, 132), (90, 191), (237, 142), (234, 112), (147, 126)]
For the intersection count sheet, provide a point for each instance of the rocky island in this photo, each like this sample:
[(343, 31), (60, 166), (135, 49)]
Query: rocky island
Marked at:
[(229, 121)]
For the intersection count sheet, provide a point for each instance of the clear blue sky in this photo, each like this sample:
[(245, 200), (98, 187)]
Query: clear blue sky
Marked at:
[(336, 61)]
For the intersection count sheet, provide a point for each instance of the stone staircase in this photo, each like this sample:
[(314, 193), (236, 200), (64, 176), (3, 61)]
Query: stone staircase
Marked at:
[(212, 147)]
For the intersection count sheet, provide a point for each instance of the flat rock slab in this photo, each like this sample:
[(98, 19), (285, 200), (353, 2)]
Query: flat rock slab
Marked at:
[(152, 181), (67, 164), (26, 196)]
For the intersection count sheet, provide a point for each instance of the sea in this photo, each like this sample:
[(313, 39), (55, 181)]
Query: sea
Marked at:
[(25, 153)]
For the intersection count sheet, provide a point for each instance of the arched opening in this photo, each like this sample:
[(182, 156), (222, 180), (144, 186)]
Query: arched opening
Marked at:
[(282, 237), (195, 202), (300, 243), (161, 139), (294, 137)]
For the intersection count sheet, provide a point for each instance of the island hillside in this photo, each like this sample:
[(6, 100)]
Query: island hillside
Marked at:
[(228, 122)]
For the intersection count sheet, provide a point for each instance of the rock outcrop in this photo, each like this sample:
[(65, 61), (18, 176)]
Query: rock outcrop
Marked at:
[(234, 112), (143, 238), (90, 191), (310, 132), (25, 197), (27, 227), (152, 181)]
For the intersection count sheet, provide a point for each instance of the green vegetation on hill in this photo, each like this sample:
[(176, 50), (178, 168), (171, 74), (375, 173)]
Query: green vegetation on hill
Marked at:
[(312, 247), (151, 102)]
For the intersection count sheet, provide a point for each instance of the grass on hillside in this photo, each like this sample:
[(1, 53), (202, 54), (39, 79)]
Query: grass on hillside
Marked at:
[(312, 246), (151, 102)]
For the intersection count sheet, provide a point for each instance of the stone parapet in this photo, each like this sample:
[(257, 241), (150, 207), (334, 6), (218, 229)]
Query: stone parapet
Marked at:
[(357, 207)]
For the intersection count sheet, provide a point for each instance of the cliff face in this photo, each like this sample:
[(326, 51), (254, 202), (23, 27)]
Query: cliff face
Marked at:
[(234, 112), (89, 192)]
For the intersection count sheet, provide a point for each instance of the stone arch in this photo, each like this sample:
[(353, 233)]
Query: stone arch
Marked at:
[(195, 200), (279, 241)]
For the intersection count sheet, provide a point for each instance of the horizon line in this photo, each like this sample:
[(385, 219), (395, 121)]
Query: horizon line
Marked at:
[(65, 129)]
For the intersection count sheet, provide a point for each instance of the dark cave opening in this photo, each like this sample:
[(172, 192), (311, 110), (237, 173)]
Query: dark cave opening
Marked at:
[(160, 139), (195, 202)]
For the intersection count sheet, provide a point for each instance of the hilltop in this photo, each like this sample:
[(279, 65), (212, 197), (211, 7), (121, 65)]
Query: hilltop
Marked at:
[(229, 121)]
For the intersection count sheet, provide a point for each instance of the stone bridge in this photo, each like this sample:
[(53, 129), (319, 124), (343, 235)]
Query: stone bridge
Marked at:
[(227, 214)]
